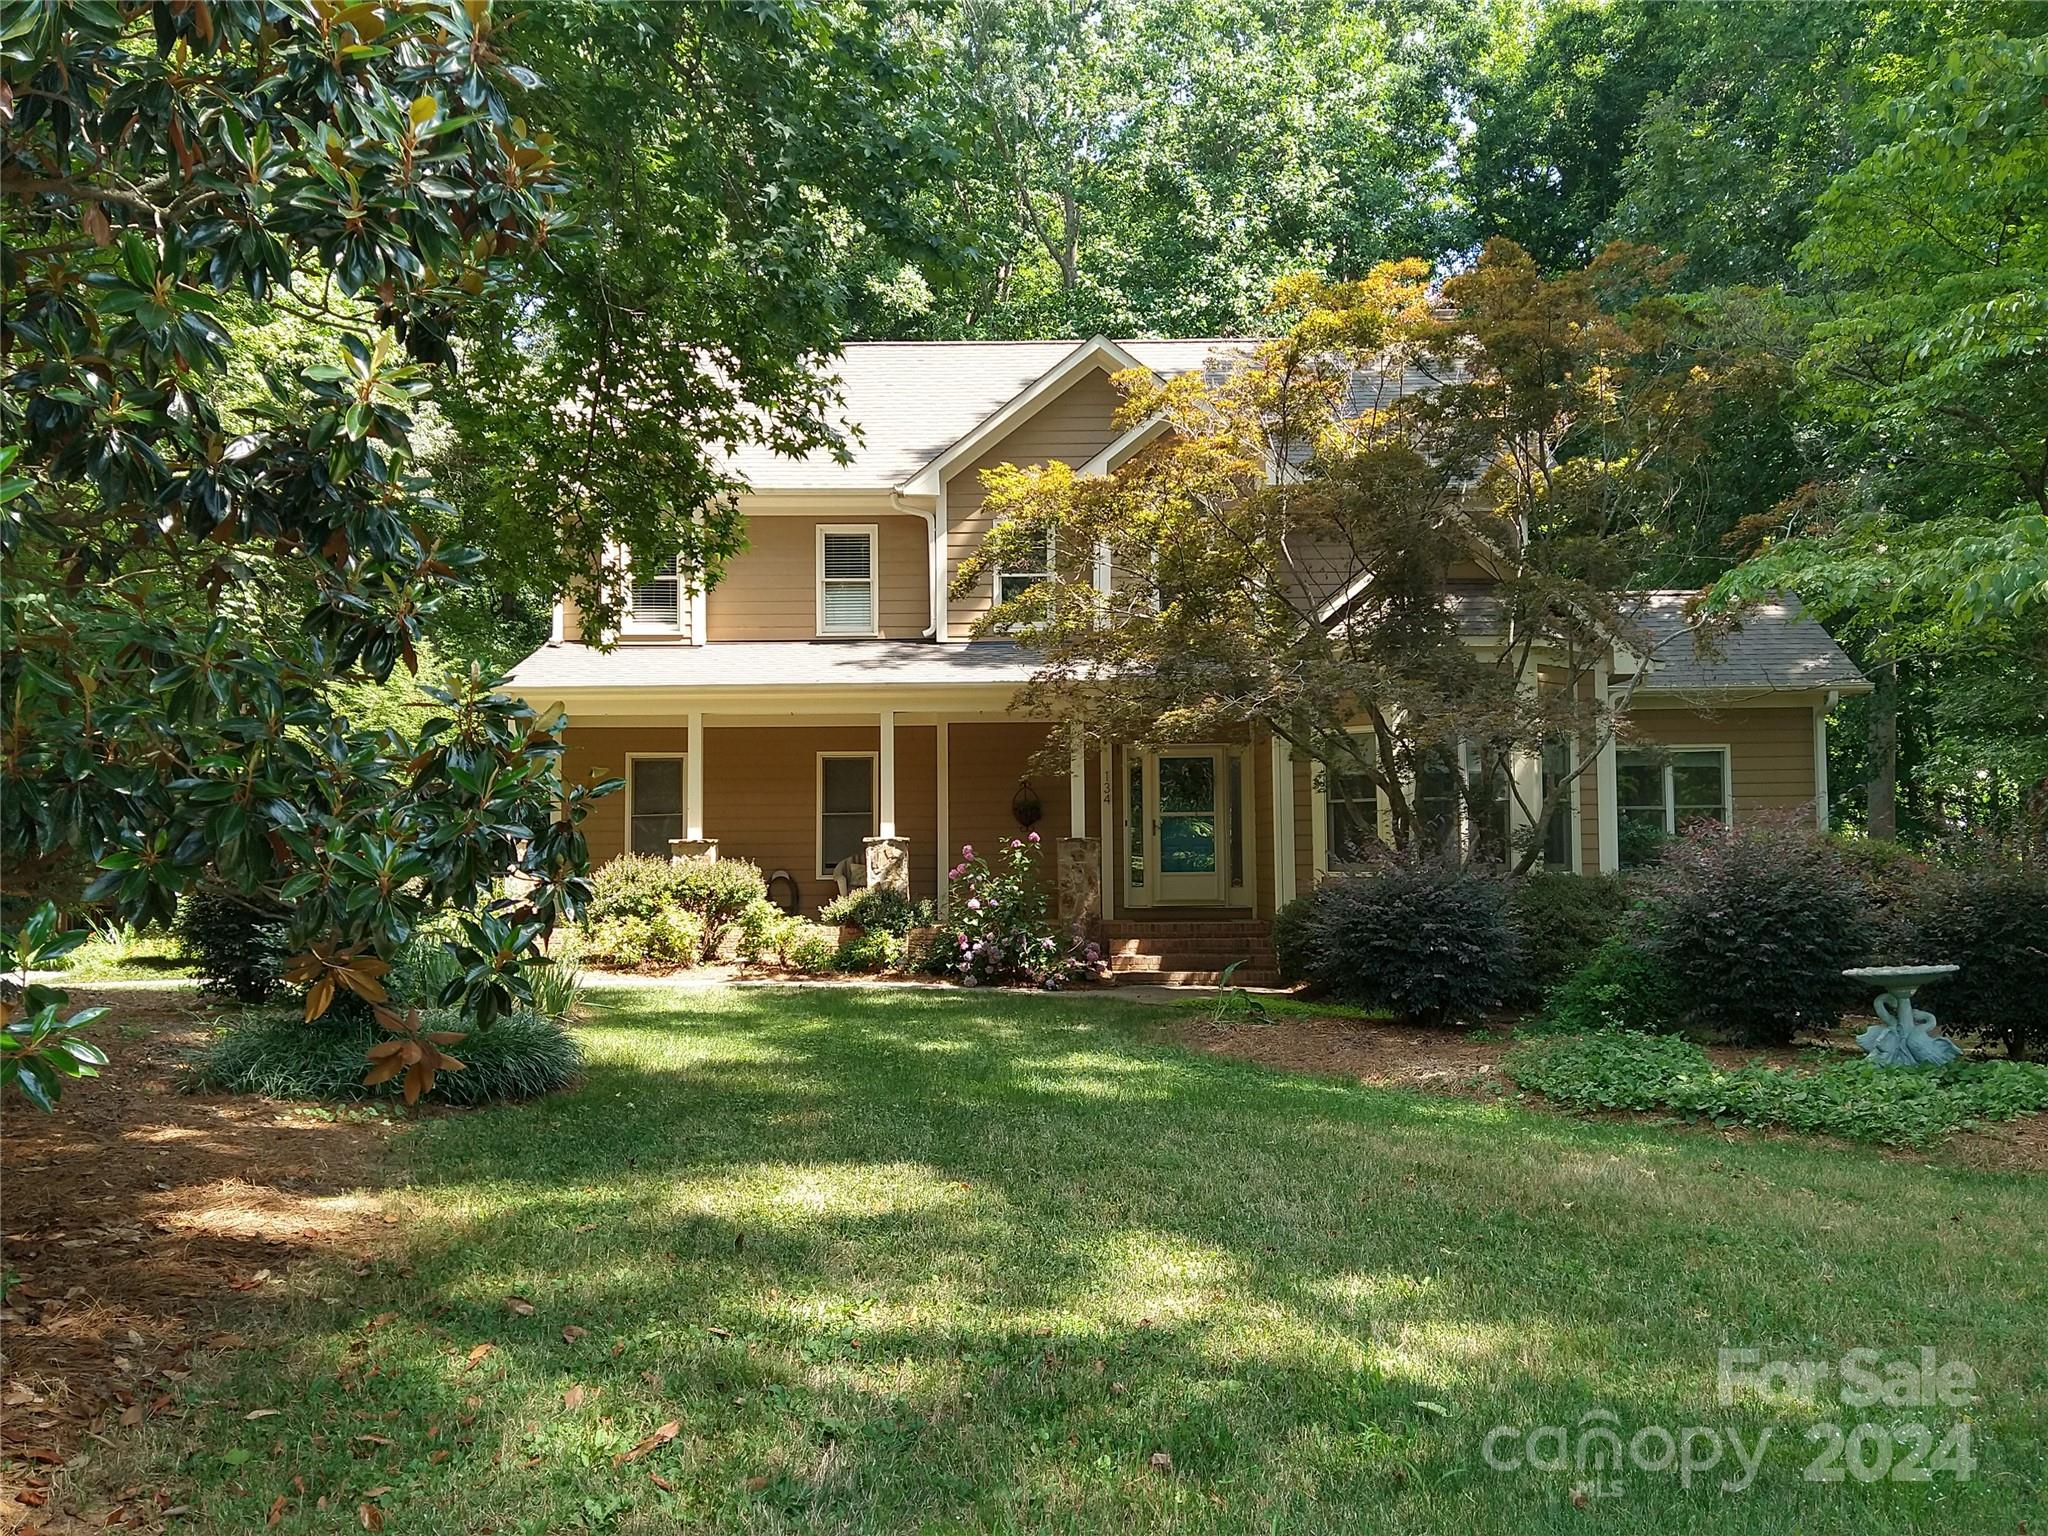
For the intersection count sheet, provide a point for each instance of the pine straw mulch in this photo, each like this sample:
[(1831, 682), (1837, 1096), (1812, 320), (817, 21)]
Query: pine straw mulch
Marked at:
[(147, 1225)]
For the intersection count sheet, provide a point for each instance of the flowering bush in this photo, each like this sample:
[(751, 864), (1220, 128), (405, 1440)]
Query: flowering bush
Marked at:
[(1003, 929)]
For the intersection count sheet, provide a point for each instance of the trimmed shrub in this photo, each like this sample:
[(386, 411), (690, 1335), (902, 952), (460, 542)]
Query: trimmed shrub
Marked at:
[(280, 1056), (1290, 936), (1431, 941), (1992, 920), (1561, 920), (876, 949), (879, 909), (647, 906), (236, 942), (719, 892), (757, 931), (1851, 1097), (633, 885), (1754, 926), (1621, 986), (670, 937), (809, 947)]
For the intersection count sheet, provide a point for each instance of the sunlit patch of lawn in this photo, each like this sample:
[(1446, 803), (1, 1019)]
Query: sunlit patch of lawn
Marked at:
[(950, 1261)]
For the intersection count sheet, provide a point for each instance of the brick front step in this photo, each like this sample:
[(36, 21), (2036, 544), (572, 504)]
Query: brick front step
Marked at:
[(1244, 978), (1243, 930), (1192, 958)]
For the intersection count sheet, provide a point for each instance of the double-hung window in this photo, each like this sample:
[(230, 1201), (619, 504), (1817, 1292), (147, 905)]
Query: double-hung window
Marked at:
[(1561, 832), (1353, 828), (1034, 566), (1662, 791), (846, 806), (657, 603), (654, 803), (846, 580)]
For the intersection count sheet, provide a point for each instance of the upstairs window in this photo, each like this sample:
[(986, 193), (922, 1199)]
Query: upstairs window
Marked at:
[(657, 606), (1035, 566), (846, 581)]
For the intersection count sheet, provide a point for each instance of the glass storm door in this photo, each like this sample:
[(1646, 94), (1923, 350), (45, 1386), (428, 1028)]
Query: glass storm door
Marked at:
[(1186, 826)]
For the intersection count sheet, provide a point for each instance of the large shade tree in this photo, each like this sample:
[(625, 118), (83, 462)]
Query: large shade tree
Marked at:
[(1398, 534)]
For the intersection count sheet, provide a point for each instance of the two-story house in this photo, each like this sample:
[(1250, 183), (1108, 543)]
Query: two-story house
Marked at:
[(824, 701)]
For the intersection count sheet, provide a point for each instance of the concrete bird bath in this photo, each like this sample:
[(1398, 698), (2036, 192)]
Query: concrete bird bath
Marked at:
[(1903, 1035)]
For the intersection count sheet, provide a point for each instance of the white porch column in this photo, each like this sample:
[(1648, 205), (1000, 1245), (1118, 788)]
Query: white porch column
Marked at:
[(1108, 831), (693, 772), (1605, 788), (944, 733), (1077, 787), (1283, 822), (1820, 760), (885, 771)]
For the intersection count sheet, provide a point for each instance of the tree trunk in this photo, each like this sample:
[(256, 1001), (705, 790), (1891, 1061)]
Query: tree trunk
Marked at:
[(1882, 814)]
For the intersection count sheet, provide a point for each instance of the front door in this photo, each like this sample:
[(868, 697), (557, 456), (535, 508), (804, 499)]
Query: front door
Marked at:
[(1185, 791)]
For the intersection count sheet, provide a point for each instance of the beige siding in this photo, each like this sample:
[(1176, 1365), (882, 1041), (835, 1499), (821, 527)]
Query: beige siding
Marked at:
[(1770, 756), (1261, 761), (769, 590), (1073, 427), (1304, 824)]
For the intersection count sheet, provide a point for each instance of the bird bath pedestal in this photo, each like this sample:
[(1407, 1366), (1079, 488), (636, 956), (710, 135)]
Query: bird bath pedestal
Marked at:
[(1903, 1035)]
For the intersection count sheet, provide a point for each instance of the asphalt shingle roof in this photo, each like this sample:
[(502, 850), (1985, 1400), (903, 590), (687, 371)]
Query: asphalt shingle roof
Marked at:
[(771, 664), (1775, 647), (912, 400)]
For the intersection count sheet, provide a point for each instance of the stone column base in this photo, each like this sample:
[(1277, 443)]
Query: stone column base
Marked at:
[(1080, 881), (889, 863), (693, 848)]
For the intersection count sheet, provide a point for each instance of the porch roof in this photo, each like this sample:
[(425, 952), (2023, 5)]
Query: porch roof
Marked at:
[(739, 664)]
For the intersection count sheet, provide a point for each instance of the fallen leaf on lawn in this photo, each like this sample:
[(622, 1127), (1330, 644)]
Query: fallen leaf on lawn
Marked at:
[(479, 1352), (719, 1333), (377, 1492), (131, 1415), (371, 1516), (382, 1318), (661, 1436), (276, 1511), (588, 1226), (519, 1305), (661, 1482), (1161, 1462), (1434, 1410), (575, 1398), (261, 1413), (18, 1393), (391, 1218), (572, 1333), (34, 1498), (378, 1439), (756, 1484)]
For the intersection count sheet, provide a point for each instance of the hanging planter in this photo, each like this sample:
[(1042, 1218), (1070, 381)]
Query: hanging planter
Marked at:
[(1025, 805)]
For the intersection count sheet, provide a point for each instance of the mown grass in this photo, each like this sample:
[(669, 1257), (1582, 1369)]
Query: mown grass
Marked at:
[(126, 955), (929, 1261)]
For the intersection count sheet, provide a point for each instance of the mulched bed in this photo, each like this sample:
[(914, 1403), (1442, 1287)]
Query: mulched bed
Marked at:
[(1452, 1061), (147, 1226)]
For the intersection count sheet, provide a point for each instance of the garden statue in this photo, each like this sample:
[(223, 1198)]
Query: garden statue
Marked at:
[(1903, 1035)]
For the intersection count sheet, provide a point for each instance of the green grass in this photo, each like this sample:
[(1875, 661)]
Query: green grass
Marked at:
[(126, 955), (932, 1261)]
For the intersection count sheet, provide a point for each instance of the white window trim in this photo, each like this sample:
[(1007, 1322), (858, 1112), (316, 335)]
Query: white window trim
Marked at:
[(1040, 575), (1570, 810), (1668, 750), (631, 626), (874, 538), (1320, 855), (818, 814), (682, 759)]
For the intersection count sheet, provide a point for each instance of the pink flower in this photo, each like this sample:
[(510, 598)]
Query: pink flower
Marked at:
[(1034, 837), (974, 903)]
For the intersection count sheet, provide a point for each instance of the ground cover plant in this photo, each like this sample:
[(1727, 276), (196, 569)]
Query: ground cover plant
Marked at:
[(891, 1260), (1845, 1096)]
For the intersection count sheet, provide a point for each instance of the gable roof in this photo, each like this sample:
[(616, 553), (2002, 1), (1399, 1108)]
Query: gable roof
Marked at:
[(1774, 648), (915, 400)]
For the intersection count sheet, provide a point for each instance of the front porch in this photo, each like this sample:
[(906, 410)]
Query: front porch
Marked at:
[(1185, 835)]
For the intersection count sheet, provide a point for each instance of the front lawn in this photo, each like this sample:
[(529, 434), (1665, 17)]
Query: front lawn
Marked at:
[(895, 1261)]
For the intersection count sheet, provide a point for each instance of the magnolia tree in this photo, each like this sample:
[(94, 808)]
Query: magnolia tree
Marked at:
[(1400, 533), (189, 572)]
